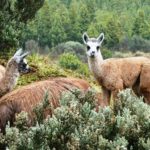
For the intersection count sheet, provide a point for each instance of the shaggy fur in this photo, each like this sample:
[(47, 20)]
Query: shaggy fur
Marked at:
[(27, 97), (145, 82)]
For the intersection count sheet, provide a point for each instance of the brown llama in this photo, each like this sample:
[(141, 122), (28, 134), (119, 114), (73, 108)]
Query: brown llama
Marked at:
[(27, 97)]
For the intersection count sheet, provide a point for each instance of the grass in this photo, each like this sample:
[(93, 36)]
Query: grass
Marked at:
[(43, 67)]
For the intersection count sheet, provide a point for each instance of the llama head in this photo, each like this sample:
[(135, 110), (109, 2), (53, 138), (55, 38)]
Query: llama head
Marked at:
[(20, 61), (93, 45)]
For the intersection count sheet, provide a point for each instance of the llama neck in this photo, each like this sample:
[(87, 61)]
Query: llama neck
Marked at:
[(95, 64), (10, 78)]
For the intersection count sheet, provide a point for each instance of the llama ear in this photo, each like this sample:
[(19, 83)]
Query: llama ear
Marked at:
[(25, 55), (100, 38), (19, 52), (85, 37)]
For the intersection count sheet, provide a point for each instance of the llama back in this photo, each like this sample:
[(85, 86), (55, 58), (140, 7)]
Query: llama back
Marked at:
[(127, 70), (27, 97), (131, 69)]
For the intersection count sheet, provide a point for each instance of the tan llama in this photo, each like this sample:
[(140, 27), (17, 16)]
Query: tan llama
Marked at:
[(112, 74), (145, 82)]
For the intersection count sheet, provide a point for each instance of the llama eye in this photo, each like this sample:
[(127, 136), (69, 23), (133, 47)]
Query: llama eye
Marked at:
[(97, 47), (24, 65), (88, 47)]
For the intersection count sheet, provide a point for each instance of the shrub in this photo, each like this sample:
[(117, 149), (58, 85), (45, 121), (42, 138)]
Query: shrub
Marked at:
[(69, 61), (41, 68), (135, 43), (84, 70), (76, 125), (107, 53), (71, 47), (138, 43)]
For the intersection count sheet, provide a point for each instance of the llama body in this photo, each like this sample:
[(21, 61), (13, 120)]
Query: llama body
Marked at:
[(27, 97), (14, 67), (112, 74), (115, 74), (145, 82)]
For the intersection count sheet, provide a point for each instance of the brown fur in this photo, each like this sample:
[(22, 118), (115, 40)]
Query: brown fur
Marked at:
[(117, 74), (145, 82), (27, 97)]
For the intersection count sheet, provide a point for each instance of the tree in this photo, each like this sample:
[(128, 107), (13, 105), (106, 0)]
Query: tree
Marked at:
[(51, 25), (74, 16), (141, 26), (104, 22), (14, 14)]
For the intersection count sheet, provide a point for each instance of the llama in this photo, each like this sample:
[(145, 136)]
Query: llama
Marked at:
[(145, 82), (27, 97), (112, 74), (16, 65)]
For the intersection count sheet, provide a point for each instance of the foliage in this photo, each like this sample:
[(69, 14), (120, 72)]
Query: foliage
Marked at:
[(50, 26), (41, 67), (141, 26), (76, 125), (135, 43), (106, 53), (60, 21), (44, 67), (138, 43), (69, 47), (84, 70), (104, 22), (14, 14), (69, 61)]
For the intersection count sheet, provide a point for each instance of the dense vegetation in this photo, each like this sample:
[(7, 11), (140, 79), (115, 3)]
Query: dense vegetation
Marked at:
[(42, 67), (75, 125), (14, 15), (57, 28), (126, 23)]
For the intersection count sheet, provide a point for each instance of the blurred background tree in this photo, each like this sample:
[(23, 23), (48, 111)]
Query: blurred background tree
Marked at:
[(14, 15), (66, 20), (125, 23)]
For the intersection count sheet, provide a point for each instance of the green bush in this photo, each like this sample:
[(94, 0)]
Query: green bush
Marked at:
[(69, 61), (75, 125), (107, 53), (70, 47), (40, 68), (135, 43), (84, 70)]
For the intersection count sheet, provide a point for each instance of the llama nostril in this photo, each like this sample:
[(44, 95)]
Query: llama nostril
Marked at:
[(93, 52)]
